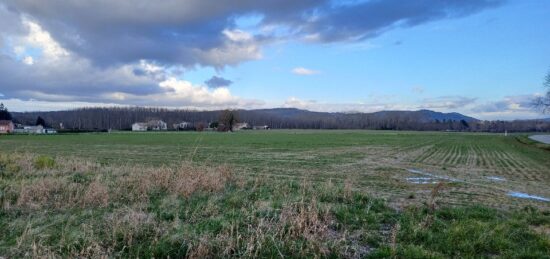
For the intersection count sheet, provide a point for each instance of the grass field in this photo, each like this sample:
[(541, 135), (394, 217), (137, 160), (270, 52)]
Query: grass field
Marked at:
[(376, 160), (288, 193)]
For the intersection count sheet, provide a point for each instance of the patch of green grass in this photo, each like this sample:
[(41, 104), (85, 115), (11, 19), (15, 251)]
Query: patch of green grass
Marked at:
[(44, 162)]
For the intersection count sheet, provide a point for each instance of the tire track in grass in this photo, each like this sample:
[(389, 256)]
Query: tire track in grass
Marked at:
[(472, 157), (458, 159), (421, 158), (448, 155), (520, 166), (505, 164), (427, 155), (498, 162), (480, 161)]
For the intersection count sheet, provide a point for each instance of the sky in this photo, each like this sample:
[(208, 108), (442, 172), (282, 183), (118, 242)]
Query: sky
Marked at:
[(482, 58)]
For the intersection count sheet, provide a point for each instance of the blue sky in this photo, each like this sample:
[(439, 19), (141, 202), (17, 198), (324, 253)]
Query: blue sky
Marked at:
[(486, 59)]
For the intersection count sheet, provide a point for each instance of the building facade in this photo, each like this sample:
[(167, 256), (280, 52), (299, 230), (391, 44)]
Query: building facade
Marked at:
[(6, 126)]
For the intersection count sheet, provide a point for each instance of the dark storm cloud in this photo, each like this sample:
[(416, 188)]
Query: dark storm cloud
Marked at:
[(216, 82), (106, 40), (371, 18), (175, 32), (72, 80), (178, 32)]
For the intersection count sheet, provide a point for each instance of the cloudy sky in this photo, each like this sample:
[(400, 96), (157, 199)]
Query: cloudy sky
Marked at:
[(484, 58)]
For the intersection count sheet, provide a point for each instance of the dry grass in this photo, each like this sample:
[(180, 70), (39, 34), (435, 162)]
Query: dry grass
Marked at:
[(60, 187), (91, 211)]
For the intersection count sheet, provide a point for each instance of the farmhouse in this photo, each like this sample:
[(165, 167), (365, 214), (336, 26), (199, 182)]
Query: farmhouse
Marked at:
[(262, 127), (34, 130), (139, 126), (151, 125), (157, 125), (6, 126), (184, 125), (240, 126)]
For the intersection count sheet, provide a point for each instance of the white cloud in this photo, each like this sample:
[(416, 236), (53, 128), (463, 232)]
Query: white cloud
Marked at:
[(63, 79), (374, 106), (28, 60), (238, 35), (36, 105), (304, 71), (37, 37), (239, 46)]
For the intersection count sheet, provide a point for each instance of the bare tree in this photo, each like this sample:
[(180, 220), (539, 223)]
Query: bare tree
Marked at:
[(228, 118), (543, 102)]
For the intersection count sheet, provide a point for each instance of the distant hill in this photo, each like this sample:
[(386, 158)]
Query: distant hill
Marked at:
[(423, 115)]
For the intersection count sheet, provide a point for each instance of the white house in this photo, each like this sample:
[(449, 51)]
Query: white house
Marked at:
[(139, 126), (183, 125), (240, 126), (157, 125), (261, 127)]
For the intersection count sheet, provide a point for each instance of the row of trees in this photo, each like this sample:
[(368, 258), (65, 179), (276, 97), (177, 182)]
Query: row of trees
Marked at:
[(123, 118)]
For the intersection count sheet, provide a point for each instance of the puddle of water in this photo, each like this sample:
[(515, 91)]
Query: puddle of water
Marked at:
[(527, 196), (415, 171), (496, 178), (421, 180)]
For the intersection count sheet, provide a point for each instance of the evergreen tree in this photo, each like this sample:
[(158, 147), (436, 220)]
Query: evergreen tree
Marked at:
[(40, 121), (4, 113)]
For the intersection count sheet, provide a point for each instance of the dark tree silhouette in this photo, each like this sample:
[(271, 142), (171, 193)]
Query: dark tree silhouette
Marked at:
[(228, 118), (543, 102), (213, 125), (4, 113), (40, 121)]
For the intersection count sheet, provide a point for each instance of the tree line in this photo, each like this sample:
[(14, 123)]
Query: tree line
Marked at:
[(122, 118)]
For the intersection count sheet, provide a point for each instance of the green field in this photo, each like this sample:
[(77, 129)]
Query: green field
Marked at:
[(376, 160), (291, 193)]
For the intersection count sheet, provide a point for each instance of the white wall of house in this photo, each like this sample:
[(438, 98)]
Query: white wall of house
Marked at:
[(139, 127)]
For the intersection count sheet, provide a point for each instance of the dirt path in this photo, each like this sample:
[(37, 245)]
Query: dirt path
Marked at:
[(541, 138)]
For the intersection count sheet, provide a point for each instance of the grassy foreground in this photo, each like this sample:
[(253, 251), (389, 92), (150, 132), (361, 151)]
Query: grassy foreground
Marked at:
[(70, 207)]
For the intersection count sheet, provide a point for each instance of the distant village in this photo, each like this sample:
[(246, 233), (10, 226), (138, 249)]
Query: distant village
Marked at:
[(8, 127), (159, 125), (227, 122)]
